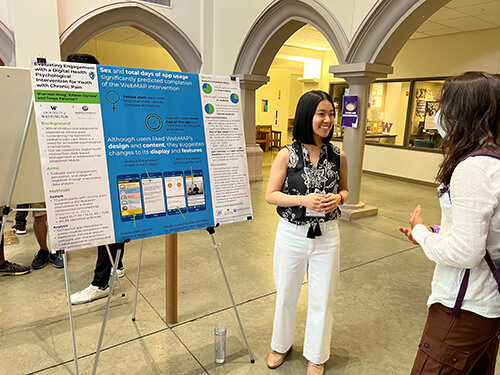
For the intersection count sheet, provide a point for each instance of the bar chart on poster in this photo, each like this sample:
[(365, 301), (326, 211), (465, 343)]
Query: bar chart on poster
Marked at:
[(129, 153)]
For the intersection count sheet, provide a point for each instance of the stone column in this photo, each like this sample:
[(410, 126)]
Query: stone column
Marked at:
[(359, 76), (249, 83)]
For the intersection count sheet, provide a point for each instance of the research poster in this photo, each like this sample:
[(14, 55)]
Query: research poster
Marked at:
[(129, 153)]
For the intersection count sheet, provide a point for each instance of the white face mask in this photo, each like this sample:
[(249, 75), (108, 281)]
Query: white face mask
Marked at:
[(439, 124)]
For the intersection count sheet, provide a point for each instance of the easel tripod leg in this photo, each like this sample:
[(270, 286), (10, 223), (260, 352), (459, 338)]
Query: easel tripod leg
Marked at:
[(70, 311), (98, 351), (115, 269), (2, 227), (216, 247), (7, 209), (137, 280)]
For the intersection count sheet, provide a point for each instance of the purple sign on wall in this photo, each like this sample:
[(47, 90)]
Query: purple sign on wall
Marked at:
[(349, 111)]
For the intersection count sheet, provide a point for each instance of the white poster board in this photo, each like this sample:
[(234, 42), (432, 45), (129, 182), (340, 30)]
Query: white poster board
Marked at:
[(130, 153), (15, 99)]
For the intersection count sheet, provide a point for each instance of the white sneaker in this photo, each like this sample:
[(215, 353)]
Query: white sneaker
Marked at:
[(120, 273), (89, 294)]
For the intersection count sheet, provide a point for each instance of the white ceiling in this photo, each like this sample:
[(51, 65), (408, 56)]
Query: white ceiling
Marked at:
[(455, 17), (461, 16)]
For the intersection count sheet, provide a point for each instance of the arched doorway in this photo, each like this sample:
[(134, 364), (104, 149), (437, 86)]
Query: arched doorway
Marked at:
[(270, 31), (300, 65), (367, 56), (129, 46), (141, 17)]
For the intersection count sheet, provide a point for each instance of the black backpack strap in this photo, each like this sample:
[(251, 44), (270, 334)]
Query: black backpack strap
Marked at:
[(483, 152), (461, 294), (494, 270), (487, 257), (465, 282)]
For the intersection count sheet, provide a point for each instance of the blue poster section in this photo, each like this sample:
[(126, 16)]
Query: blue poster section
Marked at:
[(156, 151)]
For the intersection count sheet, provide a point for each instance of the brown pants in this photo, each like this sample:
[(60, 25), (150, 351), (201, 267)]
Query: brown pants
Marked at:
[(465, 345)]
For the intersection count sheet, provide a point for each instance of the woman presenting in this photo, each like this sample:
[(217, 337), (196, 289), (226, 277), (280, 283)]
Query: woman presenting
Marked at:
[(462, 328), (308, 182)]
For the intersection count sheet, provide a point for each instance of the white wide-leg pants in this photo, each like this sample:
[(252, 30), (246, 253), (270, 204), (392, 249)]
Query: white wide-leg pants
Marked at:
[(294, 255)]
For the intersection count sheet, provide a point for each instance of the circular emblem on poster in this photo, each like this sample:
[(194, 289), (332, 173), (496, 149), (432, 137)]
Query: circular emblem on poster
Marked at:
[(235, 98), (153, 122)]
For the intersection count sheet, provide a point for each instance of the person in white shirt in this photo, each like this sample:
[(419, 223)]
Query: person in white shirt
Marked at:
[(463, 323)]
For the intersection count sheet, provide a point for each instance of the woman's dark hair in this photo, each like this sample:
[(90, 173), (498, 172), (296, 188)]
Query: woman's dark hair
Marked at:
[(470, 115), (306, 108), (83, 58)]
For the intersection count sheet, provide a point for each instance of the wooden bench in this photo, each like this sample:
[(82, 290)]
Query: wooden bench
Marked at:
[(263, 136)]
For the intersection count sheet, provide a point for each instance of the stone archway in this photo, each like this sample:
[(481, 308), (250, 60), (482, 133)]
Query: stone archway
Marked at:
[(276, 24), (371, 53), (146, 19), (387, 29), (7, 46), (267, 35)]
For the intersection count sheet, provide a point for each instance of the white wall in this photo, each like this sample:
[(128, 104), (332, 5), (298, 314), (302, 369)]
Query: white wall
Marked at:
[(349, 13), (414, 165), (36, 30), (233, 20), (278, 96), (449, 54), (5, 14), (295, 92), (329, 58), (185, 14), (207, 36), (111, 53)]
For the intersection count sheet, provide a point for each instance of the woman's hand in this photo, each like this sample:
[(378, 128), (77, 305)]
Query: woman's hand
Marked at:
[(322, 203), (415, 216), (408, 233), (330, 202), (313, 202)]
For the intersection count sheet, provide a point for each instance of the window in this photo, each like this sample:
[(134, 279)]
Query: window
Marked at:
[(421, 129), (400, 113), (387, 112)]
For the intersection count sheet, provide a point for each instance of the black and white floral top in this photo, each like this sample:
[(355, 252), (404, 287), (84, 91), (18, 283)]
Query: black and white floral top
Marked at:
[(303, 178)]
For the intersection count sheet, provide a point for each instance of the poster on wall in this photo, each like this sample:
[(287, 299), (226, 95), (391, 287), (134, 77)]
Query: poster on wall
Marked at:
[(431, 108), (349, 111), (130, 153), (420, 108), (376, 96), (265, 105)]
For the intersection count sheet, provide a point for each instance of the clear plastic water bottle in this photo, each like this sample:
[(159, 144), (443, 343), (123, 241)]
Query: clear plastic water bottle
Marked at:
[(220, 344)]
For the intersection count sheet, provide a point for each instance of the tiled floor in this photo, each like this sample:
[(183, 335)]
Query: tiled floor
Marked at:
[(380, 305)]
